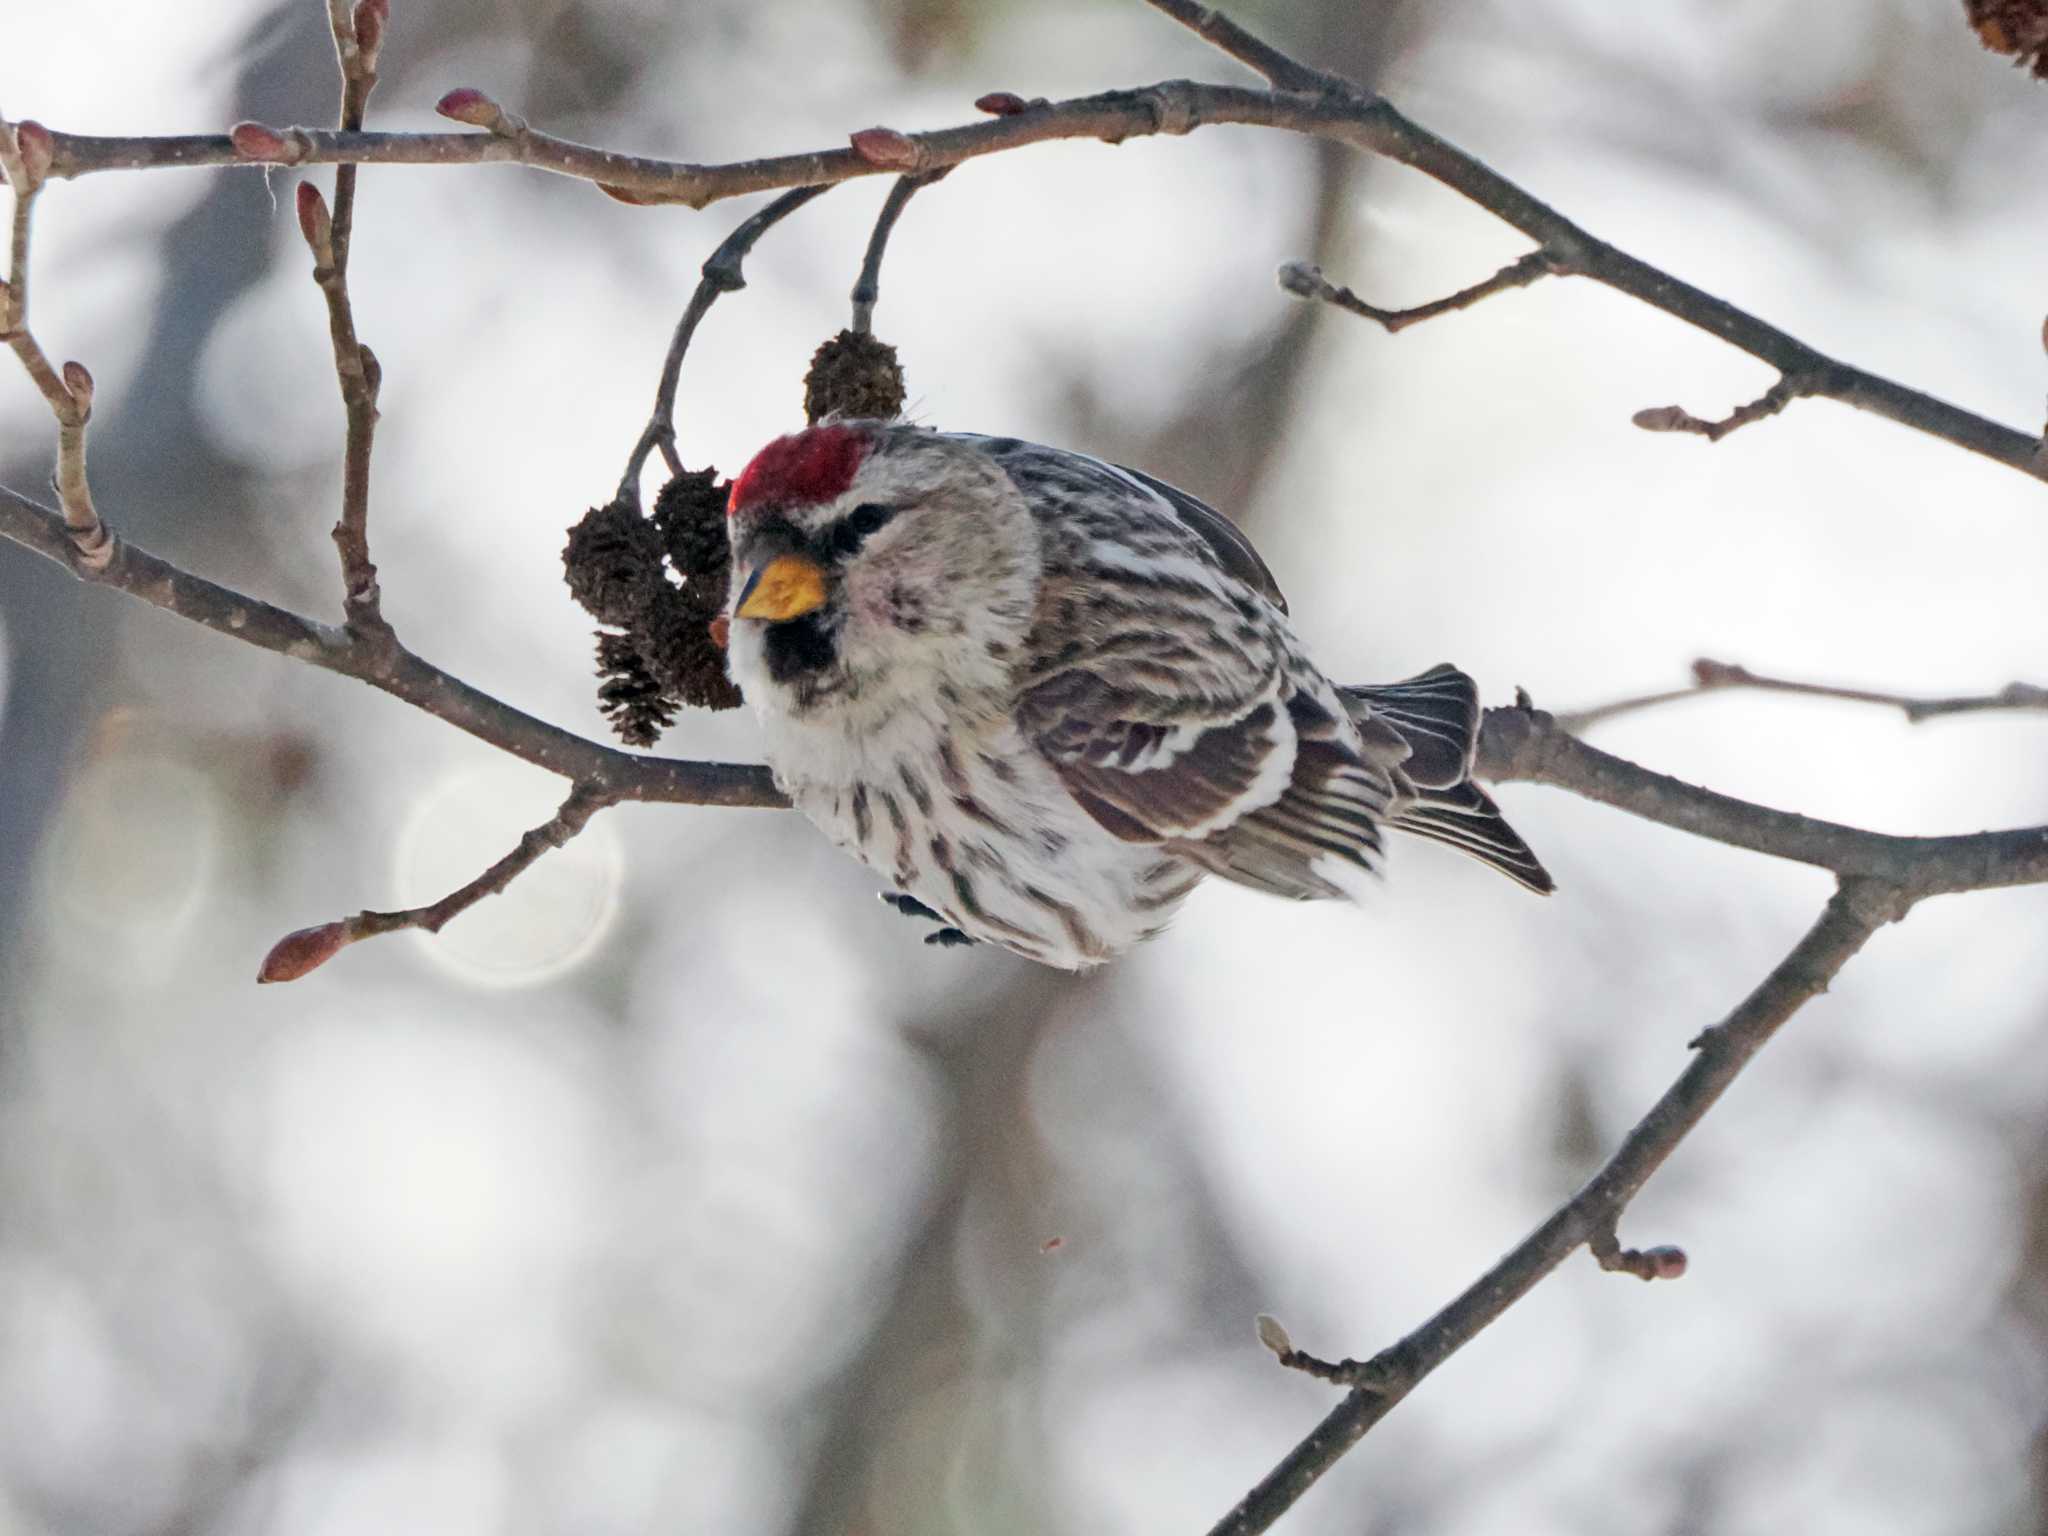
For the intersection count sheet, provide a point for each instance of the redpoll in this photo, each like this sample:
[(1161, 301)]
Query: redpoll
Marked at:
[(1044, 695)]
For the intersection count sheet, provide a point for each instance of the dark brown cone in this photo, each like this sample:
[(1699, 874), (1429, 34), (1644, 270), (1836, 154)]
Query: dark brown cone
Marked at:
[(689, 515), (612, 563), (2017, 27), (853, 375), (635, 703), (676, 627), (682, 656)]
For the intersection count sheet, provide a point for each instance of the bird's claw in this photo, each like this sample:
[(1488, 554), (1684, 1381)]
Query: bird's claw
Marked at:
[(909, 906)]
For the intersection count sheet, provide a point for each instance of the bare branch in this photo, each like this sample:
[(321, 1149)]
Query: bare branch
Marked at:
[(305, 950), (357, 36), (721, 274), (1312, 104), (1857, 910), (1285, 73), (1673, 418), (867, 288), (1529, 745), (25, 151), (1711, 676), (392, 669), (1307, 282)]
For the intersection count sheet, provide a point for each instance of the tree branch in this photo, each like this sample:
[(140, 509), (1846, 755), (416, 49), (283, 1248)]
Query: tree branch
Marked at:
[(25, 158), (721, 274), (1528, 745), (1673, 418), (1305, 281), (1321, 107), (307, 949), (1856, 911), (357, 39), (1712, 676), (867, 287), (393, 670), (1285, 73)]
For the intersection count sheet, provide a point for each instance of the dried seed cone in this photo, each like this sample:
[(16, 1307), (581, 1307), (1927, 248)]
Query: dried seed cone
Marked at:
[(682, 656), (2017, 27), (853, 375), (612, 563), (689, 516), (632, 698)]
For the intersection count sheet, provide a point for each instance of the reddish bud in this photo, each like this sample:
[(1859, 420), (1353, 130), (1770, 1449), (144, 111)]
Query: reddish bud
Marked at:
[(1052, 1245), (887, 149), (721, 631), (1662, 418), (1663, 1263), (467, 104), (370, 17), (253, 141), (1001, 104), (300, 953), (628, 196), (315, 223), (37, 150), (79, 382)]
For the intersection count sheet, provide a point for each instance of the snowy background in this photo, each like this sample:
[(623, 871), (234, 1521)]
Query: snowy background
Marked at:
[(681, 1188)]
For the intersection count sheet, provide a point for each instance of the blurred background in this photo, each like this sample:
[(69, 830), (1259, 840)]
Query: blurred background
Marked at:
[(681, 1188)]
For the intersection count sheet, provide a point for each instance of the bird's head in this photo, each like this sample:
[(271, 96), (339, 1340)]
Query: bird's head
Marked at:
[(877, 563)]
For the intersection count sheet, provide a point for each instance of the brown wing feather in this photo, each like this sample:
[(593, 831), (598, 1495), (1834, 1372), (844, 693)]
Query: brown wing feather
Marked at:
[(1145, 783)]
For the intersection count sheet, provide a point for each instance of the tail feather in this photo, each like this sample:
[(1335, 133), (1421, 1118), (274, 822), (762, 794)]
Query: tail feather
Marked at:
[(1465, 817), (1437, 714)]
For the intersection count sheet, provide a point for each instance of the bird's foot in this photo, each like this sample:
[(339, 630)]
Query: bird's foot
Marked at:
[(910, 906)]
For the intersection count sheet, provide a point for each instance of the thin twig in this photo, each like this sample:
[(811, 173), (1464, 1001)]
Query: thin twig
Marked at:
[(307, 949), (1674, 418), (867, 288), (356, 38), (1856, 911), (1255, 53), (721, 274), (1305, 281), (25, 157), (1711, 676)]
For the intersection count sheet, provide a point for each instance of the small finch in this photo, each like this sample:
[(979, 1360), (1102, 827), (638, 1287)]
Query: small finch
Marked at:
[(1044, 695)]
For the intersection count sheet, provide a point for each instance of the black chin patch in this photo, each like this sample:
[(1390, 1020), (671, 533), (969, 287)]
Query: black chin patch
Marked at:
[(797, 650)]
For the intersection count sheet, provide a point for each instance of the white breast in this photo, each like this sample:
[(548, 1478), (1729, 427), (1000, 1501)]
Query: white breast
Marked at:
[(971, 821)]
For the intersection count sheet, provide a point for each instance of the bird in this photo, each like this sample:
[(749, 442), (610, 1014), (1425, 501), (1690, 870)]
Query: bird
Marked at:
[(1044, 696)]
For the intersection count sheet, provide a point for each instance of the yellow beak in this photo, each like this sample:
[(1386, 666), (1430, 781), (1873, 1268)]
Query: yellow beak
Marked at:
[(787, 587)]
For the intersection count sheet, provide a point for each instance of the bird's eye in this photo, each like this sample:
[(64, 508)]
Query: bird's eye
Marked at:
[(851, 531)]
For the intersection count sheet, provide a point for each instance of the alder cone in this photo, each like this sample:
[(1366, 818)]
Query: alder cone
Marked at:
[(2017, 27), (612, 563), (632, 697), (854, 375), (689, 517)]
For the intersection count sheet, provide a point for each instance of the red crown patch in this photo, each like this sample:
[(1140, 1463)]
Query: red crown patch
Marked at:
[(805, 467)]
